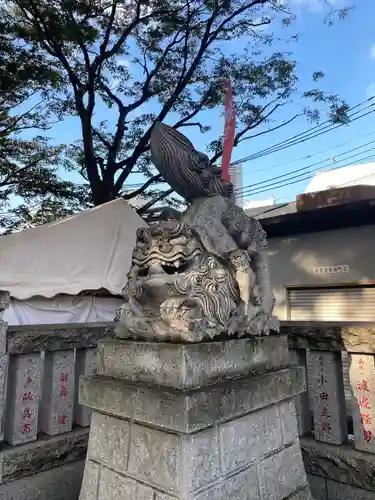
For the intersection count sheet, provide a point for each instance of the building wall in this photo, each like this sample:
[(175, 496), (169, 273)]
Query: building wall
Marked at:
[(293, 260), (235, 173)]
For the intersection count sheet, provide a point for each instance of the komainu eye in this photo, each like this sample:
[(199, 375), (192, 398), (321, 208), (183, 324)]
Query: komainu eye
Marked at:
[(143, 234)]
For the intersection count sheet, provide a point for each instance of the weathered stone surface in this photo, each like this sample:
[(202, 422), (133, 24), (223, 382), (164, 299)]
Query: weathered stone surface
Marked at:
[(259, 432), (362, 381), (35, 338), (326, 387), (190, 410), (21, 421), (203, 275), (4, 360), (339, 491), (329, 336), (318, 487), (113, 486), (302, 494), (183, 366), (153, 456), (281, 474), (56, 409), (304, 415), (212, 442), (59, 483), (109, 441), (4, 300), (162, 496), (3, 337), (343, 463), (288, 420), (201, 452), (242, 486), (90, 481), (86, 364), (46, 453)]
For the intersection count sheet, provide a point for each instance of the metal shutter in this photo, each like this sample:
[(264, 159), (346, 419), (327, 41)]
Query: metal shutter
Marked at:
[(352, 303)]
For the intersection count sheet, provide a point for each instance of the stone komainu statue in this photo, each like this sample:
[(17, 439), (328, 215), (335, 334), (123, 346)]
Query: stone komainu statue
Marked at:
[(205, 274)]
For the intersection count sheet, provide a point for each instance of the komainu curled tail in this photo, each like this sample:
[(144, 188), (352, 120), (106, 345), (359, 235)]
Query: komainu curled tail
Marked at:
[(186, 170)]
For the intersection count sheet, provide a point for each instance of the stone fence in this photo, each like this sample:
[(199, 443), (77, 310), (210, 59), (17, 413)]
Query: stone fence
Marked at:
[(43, 429), (336, 415)]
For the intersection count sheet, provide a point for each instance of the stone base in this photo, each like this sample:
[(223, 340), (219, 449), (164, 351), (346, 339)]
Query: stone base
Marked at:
[(333, 469), (226, 439), (59, 483)]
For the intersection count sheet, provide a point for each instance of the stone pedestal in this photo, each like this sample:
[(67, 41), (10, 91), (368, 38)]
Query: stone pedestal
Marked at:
[(208, 421)]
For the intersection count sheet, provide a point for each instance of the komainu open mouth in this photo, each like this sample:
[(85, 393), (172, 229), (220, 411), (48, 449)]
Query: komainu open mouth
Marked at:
[(177, 267)]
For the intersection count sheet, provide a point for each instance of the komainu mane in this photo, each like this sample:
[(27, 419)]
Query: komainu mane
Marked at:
[(205, 274)]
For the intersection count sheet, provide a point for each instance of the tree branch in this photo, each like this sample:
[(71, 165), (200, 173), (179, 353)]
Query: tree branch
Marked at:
[(191, 115), (186, 44), (191, 124), (81, 44), (234, 14), (168, 105), (154, 200), (137, 20), (45, 35), (10, 180), (250, 127), (143, 188), (104, 44), (207, 39), (270, 129), (120, 127), (101, 137), (13, 120), (146, 94)]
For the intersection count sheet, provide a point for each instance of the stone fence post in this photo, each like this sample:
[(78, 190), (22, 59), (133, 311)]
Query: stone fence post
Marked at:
[(4, 304), (201, 421)]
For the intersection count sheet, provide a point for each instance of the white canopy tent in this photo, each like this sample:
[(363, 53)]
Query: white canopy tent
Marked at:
[(47, 267)]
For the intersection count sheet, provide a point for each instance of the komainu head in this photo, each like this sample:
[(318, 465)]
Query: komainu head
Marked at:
[(177, 290)]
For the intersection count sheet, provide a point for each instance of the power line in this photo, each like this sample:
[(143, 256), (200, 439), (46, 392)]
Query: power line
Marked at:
[(324, 127), (306, 135), (292, 140), (301, 177), (307, 177), (326, 130), (277, 207), (308, 157), (302, 169)]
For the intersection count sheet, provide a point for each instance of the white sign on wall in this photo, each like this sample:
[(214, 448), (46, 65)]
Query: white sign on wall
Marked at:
[(343, 268)]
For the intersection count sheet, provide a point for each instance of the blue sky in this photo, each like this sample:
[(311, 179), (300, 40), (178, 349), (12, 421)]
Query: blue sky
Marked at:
[(345, 52)]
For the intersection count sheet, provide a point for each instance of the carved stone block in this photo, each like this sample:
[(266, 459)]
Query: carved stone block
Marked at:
[(183, 366), (235, 438)]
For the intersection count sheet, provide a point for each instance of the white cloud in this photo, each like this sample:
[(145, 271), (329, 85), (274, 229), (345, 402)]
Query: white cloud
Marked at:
[(372, 51)]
